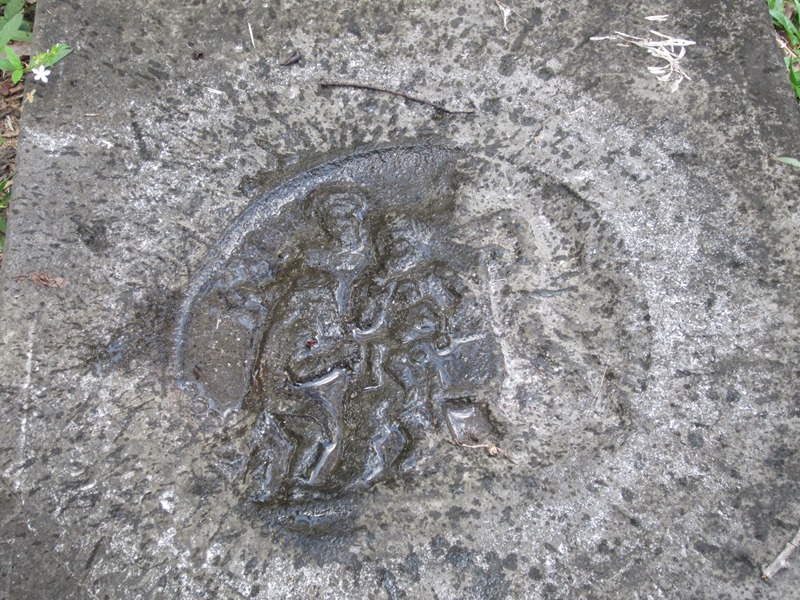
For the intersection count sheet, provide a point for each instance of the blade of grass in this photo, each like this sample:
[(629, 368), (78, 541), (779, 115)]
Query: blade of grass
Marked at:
[(794, 77), (789, 161), (783, 22)]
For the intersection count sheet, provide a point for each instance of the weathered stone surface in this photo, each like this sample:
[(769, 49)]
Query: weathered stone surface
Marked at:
[(331, 342)]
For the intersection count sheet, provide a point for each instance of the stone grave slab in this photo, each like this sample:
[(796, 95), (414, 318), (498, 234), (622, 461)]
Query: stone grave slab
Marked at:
[(402, 299)]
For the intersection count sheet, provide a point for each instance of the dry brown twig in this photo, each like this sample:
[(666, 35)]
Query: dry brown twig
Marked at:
[(373, 88)]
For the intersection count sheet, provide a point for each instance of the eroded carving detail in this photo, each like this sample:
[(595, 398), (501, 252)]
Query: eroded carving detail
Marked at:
[(368, 311), (351, 326), (370, 335)]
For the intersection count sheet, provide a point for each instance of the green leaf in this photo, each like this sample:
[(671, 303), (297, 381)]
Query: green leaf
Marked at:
[(789, 161), (16, 76), (13, 7), (21, 36), (52, 56), (775, 5), (13, 57), (6, 65), (9, 29), (3, 226), (60, 51), (780, 19), (794, 77)]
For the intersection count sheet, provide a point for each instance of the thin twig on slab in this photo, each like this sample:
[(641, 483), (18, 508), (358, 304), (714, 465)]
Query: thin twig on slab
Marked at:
[(769, 571), (374, 88), (599, 387), (490, 448)]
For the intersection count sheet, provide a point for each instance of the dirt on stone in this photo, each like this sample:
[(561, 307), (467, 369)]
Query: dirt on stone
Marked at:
[(11, 100)]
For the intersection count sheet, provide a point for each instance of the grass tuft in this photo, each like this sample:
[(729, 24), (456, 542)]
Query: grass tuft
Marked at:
[(786, 19)]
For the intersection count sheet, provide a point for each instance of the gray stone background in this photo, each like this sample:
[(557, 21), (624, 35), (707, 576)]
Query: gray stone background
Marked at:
[(137, 156)]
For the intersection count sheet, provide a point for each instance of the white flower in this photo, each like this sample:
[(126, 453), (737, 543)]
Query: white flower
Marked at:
[(40, 73)]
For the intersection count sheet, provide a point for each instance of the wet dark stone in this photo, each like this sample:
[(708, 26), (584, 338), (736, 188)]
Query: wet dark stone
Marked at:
[(348, 323), (695, 440), (706, 549), (459, 557), (92, 233), (350, 316), (510, 562)]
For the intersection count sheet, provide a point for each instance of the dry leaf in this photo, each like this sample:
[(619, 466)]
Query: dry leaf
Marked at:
[(44, 279)]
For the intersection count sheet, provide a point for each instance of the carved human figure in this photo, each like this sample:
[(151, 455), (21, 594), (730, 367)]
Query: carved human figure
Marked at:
[(403, 315), (357, 358), (308, 356)]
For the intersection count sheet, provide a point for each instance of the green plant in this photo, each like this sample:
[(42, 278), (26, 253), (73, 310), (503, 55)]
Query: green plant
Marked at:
[(14, 27), (783, 22), (790, 26), (793, 64)]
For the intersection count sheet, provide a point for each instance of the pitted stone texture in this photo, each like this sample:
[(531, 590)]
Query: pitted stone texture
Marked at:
[(639, 277)]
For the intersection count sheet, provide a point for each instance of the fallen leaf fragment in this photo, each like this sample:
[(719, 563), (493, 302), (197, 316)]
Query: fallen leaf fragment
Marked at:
[(44, 279)]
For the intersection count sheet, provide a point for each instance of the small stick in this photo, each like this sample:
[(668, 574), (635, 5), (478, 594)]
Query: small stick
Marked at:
[(372, 88), (600, 387), (786, 46), (770, 570), (252, 39), (5, 113), (491, 449)]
